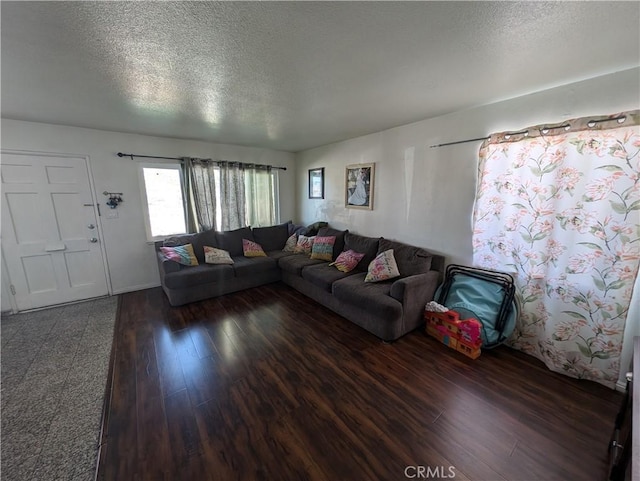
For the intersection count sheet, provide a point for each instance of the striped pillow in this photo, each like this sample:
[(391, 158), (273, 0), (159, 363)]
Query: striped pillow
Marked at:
[(322, 248)]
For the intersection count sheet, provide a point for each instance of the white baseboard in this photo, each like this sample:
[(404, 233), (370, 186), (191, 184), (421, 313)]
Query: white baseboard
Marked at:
[(140, 287)]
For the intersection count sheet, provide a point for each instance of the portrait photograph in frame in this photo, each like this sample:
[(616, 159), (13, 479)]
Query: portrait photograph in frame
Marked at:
[(316, 183), (359, 181)]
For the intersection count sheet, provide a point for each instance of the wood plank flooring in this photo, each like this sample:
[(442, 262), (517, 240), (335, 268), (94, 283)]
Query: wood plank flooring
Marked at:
[(267, 384)]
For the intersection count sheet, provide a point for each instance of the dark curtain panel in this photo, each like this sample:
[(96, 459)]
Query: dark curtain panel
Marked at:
[(232, 195), (201, 194)]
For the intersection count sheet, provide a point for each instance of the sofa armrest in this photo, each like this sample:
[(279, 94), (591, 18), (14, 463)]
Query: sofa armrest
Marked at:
[(165, 266), (414, 292)]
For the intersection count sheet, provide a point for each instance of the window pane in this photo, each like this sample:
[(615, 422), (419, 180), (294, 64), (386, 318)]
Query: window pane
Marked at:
[(164, 199), (260, 198)]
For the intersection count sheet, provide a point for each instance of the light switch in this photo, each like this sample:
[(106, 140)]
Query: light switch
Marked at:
[(111, 214)]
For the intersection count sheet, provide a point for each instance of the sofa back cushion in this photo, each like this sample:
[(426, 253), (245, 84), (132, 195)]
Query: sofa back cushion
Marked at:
[(297, 229), (271, 238), (231, 240), (411, 260), (364, 245), (338, 245), (198, 241)]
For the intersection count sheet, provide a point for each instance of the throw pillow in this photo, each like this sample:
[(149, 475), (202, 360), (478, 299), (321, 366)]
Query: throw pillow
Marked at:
[(181, 254), (383, 267), (347, 261), (322, 248), (290, 245), (304, 244), (252, 249), (216, 256)]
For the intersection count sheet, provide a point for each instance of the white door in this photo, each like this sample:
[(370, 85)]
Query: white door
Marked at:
[(49, 231)]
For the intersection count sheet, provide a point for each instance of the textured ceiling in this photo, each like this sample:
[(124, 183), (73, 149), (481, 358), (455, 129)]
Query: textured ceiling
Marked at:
[(295, 75)]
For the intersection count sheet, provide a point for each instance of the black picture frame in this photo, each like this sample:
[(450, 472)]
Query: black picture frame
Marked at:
[(316, 183)]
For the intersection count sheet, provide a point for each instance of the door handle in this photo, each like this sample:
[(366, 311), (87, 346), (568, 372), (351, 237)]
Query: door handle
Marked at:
[(93, 240)]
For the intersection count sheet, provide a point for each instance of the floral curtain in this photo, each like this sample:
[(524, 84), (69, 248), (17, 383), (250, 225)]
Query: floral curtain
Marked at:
[(232, 195), (260, 190), (559, 207)]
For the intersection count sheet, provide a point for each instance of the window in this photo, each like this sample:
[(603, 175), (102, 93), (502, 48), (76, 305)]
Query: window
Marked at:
[(260, 196), (164, 199)]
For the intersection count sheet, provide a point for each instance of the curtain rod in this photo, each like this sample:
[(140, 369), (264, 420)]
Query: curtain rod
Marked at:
[(120, 154), (591, 123), (459, 142)]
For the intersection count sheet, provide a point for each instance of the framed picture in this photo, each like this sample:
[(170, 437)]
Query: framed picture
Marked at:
[(359, 186), (316, 183)]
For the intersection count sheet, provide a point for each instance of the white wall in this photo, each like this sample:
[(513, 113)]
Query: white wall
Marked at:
[(130, 257), (424, 196), (429, 201)]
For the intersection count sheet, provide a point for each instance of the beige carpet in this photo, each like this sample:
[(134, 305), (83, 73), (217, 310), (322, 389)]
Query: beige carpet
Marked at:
[(54, 371)]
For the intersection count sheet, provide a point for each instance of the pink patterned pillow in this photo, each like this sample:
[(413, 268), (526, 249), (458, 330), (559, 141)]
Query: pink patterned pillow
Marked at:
[(305, 244), (181, 254), (383, 267), (290, 245), (347, 260), (213, 255), (252, 249)]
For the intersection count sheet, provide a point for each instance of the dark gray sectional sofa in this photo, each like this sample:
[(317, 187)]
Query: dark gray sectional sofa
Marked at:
[(388, 309)]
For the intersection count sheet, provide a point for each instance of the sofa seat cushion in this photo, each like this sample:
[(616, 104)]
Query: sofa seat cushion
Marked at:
[(247, 266), (323, 275), (373, 297), (277, 255), (196, 275), (296, 262)]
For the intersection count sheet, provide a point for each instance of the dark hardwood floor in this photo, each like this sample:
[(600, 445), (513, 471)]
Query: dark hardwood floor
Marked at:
[(267, 384)]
